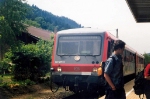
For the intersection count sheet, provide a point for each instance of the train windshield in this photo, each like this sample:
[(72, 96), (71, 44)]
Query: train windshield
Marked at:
[(79, 45)]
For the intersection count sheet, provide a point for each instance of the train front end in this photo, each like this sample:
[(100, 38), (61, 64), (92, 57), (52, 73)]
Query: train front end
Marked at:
[(76, 59)]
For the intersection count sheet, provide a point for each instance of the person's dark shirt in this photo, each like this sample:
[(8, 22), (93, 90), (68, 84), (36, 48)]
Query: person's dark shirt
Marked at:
[(115, 72)]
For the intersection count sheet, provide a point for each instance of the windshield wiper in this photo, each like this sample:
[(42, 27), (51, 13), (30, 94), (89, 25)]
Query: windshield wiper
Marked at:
[(62, 55), (88, 54), (94, 55)]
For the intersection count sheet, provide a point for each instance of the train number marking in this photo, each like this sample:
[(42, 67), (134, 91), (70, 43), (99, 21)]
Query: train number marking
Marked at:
[(76, 69), (59, 61)]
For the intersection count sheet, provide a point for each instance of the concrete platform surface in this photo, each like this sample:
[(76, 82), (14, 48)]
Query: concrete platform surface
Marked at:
[(129, 91)]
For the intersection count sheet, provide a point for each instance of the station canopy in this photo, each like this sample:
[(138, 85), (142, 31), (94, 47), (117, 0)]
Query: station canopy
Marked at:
[(140, 9)]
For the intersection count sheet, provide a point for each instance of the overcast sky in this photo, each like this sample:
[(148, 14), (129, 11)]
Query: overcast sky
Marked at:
[(103, 14)]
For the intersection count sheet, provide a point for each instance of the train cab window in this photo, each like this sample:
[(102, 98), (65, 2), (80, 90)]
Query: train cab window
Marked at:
[(84, 49), (79, 45)]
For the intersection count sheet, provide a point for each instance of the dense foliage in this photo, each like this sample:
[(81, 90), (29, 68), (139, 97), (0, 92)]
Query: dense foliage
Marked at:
[(147, 58), (12, 12), (48, 21), (31, 61)]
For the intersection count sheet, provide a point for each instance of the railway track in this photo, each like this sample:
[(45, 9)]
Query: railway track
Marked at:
[(81, 96), (62, 94)]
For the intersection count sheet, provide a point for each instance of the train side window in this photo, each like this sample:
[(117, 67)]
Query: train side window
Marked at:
[(130, 57), (141, 61), (138, 60), (133, 57), (124, 55), (110, 48), (127, 56)]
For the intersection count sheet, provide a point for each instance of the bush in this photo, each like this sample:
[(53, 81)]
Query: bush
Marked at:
[(29, 82), (1, 80), (4, 85), (5, 64), (31, 61)]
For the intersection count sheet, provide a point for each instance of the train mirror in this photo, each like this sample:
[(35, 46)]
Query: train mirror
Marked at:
[(112, 41)]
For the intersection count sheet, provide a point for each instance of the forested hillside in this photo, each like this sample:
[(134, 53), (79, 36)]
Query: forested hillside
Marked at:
[(46, 20)]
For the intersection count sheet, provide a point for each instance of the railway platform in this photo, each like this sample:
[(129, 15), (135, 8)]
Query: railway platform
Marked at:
[(129, 91)]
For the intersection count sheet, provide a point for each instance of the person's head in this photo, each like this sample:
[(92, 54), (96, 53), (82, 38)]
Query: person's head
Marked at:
[(119, 46)]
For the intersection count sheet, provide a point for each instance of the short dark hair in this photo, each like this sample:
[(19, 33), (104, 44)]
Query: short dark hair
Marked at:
[(119, 44)]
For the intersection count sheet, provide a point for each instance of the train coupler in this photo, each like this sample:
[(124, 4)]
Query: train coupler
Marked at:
[(76, 81), (76, 85), (66, 88)]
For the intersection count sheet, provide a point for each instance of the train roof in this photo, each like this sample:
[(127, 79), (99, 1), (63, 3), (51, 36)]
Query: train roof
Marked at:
[(127, 47), (140, 55), (81, 30)]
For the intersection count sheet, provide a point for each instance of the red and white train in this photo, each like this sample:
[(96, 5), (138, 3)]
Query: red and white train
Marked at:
[(78, 55)]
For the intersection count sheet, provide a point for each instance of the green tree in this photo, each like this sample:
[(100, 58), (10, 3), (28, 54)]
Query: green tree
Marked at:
[(12, 13), (147, 58), (49, 21), (32, 23), (39, 19)]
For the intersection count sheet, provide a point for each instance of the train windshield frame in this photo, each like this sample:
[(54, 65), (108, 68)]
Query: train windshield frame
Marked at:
[(83, 45)]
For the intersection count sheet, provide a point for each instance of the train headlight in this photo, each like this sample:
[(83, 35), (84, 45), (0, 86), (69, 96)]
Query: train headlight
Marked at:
[(59, 69), (52, 69), (100, 64), (99, 71), (94, 69)]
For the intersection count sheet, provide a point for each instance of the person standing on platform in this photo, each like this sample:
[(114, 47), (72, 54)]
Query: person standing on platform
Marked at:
[(147, 77), (114, 74)]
